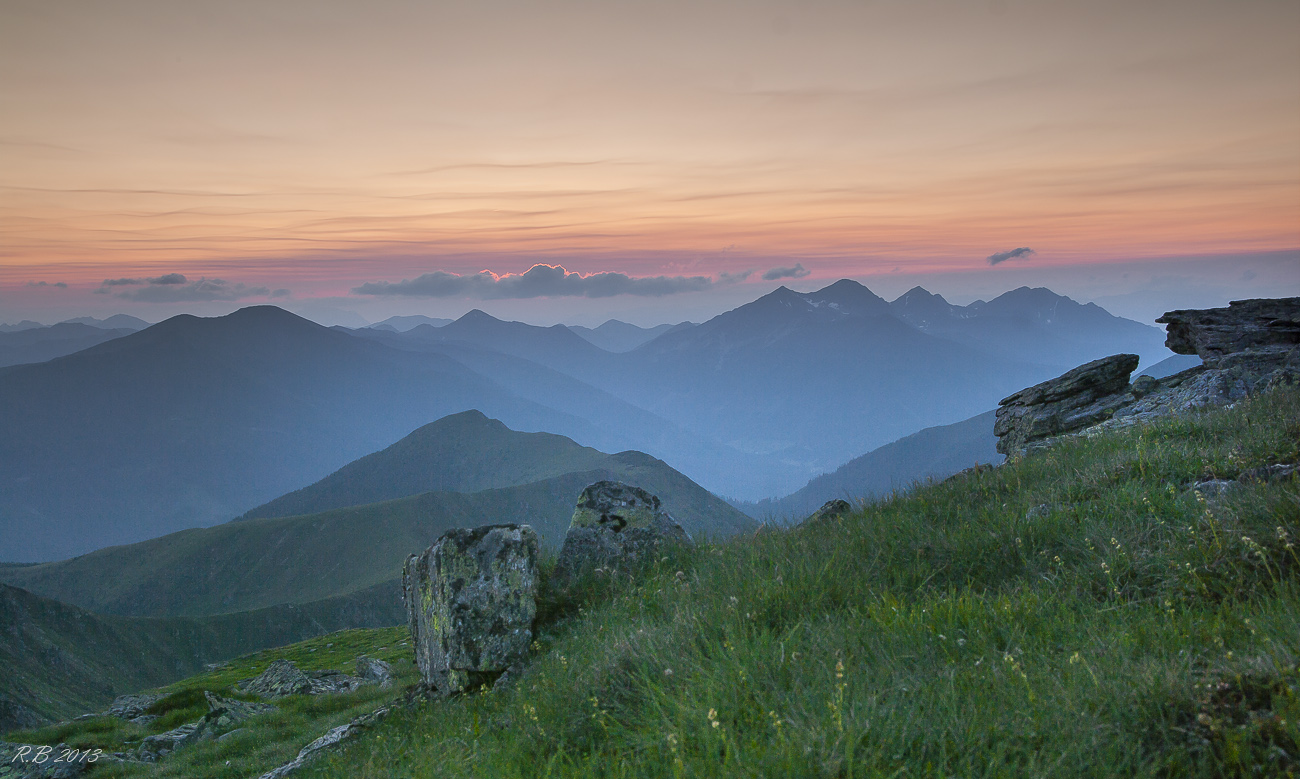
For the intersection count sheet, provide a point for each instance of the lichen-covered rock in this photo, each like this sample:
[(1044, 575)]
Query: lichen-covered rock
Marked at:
[(831, 509), (613, 524), (280, 678), (1077, 399), (1213, 333), (471, 599), (158, 746), (328, 742)]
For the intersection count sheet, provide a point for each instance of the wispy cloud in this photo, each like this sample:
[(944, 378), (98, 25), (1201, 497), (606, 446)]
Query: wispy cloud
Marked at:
[(538, 281), (734, 278), (1014, 254), (58, 284), (176, 288), (797, 272)]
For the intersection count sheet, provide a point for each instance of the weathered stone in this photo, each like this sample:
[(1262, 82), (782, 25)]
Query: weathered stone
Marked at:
[(280, 678), (132, 706), (330, 682), (223, 715), (144, 720), (614, 524), (1077, 399), (163, 744), (374, 671), (328, 742), (831, 509), (1212, 333), (471, 599), (1214, 488), (1269, 473)]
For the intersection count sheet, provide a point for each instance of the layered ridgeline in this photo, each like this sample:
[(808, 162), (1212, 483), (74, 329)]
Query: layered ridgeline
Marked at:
[(352, 530), (194, 421), (61, 660)]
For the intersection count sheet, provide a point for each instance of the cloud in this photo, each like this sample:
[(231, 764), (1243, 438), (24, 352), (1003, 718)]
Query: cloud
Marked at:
[(733, 278), (1014, 254), (175, 288), (281, 293), (797, 272), (59, 284), (538, 281)]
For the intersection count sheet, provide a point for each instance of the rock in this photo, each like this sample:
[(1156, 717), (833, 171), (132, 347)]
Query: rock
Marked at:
[(1077, 399), (1214, 488), (152, 748), (374, 671), (327, 742), (1212, 333), (223, 715), (1269, 473), (831, 509), (471, 599), (614, 524), (1039, 511), (330, 682), (280, 678), (132, 706), (144, 720)]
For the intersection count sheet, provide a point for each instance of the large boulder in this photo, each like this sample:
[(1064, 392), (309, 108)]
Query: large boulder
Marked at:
[(281, 678), (470, 601), (1077, 399), (614, 524), (1213, 333)]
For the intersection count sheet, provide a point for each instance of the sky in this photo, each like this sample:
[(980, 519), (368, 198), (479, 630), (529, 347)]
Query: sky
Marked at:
[(649, 161)]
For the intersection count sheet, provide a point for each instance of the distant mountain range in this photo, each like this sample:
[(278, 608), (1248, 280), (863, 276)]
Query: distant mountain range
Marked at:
[(195, 421), (38, 344), (616, 336)]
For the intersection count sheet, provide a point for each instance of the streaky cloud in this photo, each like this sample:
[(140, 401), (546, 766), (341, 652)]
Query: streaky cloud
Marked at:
[(541, 280), (796, 272), (1014, 254), (201, 290)]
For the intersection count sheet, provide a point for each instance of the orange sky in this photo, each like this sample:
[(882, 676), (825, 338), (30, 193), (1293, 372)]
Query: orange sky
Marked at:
[(316, 146)]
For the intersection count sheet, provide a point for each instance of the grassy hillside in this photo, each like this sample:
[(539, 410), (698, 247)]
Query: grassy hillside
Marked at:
[(1078, 613), (61, 661), (263, 562), (264, 741)]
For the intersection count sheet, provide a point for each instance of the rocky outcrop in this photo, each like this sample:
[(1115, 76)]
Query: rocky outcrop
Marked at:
[(130, 707), (831, 509), (1213, 333), (283, 677), (1077, 399), (223, 715), (471, 599), (280, 678), (1247, 348), (372, 671), (614, 524)]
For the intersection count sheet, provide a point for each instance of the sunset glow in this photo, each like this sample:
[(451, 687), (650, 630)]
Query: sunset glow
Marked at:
[(314, 147)]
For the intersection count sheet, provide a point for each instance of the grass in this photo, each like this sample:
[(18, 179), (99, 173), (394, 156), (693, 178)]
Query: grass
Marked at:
[(1082, 612), (265, 741)]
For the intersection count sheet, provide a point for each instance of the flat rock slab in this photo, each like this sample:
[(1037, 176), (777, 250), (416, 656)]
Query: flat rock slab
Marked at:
[(612, 525), (1212, 333), (1075, 400), (471, 599)]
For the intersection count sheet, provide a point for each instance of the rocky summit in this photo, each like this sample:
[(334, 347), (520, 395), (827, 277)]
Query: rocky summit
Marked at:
[(1075, 400), (612, 524), (1213, 333), (470, 600), (1246, 349)]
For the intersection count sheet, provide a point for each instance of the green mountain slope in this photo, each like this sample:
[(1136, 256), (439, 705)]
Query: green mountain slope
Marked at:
[(263, 562), (60, 660), (933, 452), (465, 452)]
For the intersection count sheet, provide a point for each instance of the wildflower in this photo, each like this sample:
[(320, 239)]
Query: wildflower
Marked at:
[(668, 672), (713, 718)]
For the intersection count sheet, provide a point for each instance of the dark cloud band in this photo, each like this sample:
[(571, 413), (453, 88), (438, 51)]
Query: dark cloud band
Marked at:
[(1014, 254), (537, 281)]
